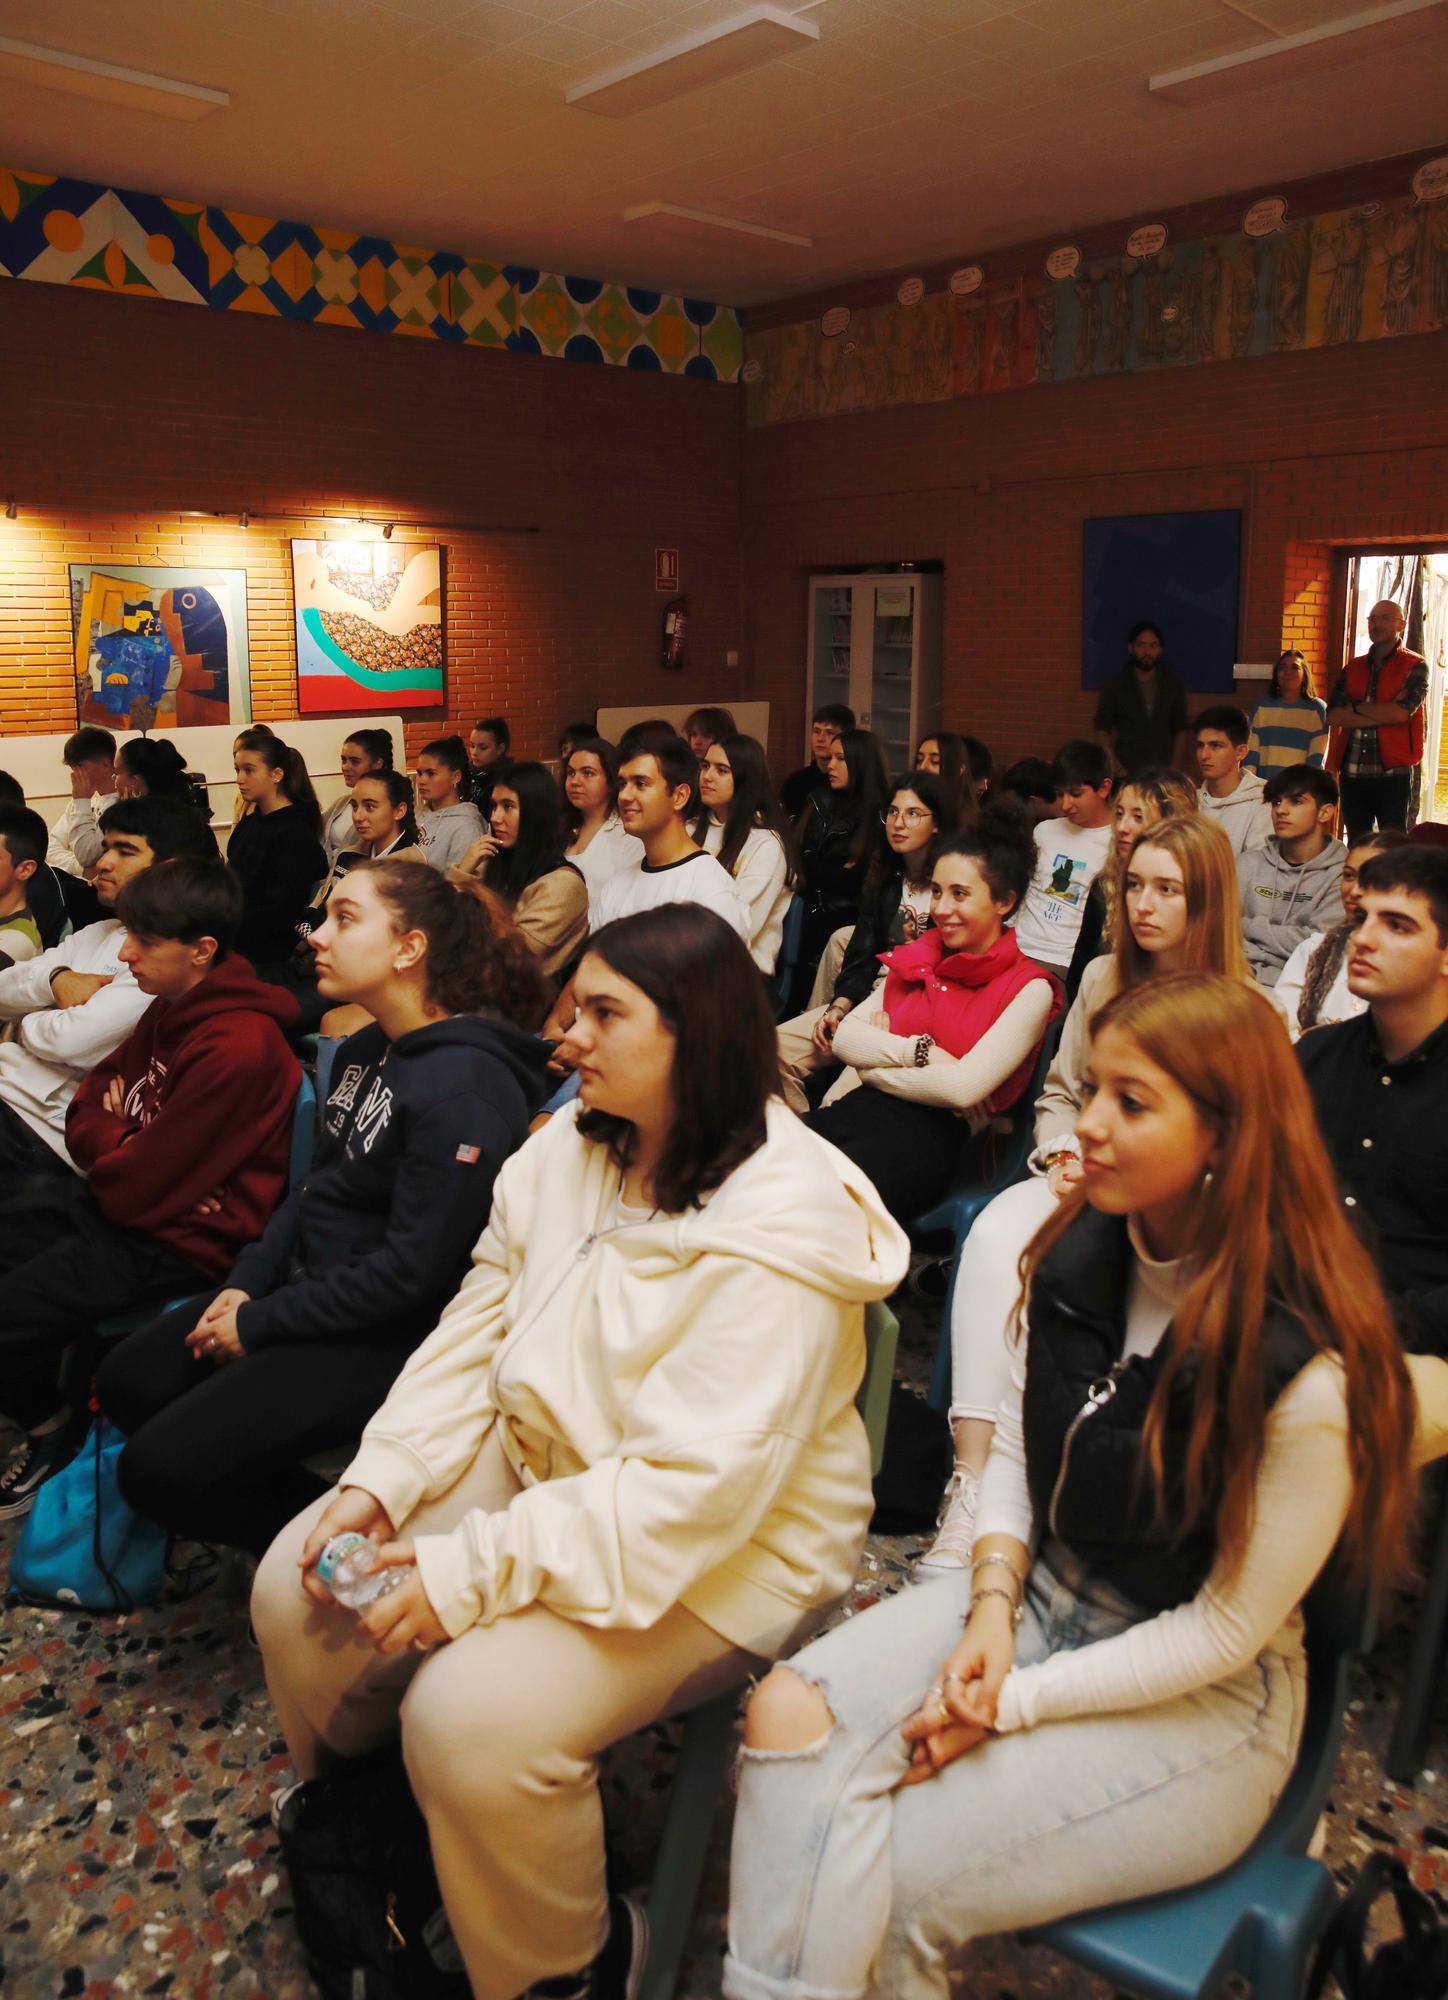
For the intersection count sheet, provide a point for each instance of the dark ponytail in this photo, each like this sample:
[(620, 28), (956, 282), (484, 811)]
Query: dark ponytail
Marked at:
[(477, 963), (378, 745), (296, 785)]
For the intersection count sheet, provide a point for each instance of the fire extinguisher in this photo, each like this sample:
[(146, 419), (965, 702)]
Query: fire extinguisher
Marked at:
[(676, 619)]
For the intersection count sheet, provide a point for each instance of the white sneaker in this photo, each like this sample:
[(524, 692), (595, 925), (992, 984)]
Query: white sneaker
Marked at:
[(955, 1527)]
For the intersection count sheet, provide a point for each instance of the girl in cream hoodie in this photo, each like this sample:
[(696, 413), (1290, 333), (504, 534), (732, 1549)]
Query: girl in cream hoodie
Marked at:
[(625, 1469)]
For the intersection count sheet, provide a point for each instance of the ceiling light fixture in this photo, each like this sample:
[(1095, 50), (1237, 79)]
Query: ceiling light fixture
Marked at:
[(243, 519), (387, 532), (688, 221), (709, 55), (108, 83), (11, 510), (1375, 32)]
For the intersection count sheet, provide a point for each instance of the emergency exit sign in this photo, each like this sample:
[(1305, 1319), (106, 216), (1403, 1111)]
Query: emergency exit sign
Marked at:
[(666, 569)]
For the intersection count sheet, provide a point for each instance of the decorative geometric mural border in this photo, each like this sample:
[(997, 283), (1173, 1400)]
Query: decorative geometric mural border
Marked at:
[(58, 231)]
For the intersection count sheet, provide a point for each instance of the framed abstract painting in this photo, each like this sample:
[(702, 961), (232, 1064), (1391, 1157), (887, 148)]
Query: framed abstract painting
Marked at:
[(369, 626), (159, 648)]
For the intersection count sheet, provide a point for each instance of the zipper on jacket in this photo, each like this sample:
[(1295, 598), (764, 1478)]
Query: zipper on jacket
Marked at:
[(1098, 1394)]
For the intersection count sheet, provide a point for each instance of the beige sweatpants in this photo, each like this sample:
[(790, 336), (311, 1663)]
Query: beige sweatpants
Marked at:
[(501, 1733)]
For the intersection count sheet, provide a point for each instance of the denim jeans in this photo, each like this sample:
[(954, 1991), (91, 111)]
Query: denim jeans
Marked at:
[(843, 1886)]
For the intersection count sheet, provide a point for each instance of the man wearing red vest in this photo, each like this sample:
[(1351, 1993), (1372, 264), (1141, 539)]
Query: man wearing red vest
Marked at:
[(1376, 713)]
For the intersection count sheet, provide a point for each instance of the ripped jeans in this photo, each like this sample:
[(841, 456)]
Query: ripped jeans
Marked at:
[(843, 1886)]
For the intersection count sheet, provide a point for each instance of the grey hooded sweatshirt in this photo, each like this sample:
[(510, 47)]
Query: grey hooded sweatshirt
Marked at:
[(1283, 904)]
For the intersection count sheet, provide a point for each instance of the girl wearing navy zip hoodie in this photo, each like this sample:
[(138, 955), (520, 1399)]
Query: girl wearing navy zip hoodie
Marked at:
[(225, 1396)]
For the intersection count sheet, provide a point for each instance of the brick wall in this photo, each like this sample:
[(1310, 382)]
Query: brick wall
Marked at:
[(122, 415), (1330, 447)]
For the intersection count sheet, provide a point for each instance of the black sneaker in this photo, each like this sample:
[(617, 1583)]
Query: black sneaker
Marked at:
[(30, 1464), (618, 1971)]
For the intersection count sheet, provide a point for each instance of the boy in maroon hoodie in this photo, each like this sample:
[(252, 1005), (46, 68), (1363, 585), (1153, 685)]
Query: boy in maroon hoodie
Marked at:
[(184, 1138)]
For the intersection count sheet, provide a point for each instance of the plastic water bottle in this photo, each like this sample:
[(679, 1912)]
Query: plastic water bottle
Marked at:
[(346, 1566)]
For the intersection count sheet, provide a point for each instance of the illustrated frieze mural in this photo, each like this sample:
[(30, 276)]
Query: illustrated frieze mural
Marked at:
[(1367, 273), (68, 232)]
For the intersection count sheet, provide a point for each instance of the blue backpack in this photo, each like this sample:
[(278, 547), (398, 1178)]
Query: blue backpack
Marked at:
[(85, 1546)]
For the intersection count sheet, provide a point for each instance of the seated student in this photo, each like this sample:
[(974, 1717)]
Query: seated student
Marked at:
[(1380, 1084), (44, 894), (353, 1270), (1071, 850), (947, 758), (1232, 794), (1313, 991), (742, 823), (894, 910), (1290, 886), (706, 726), (953, 1044), (364, 751), (569, 738), (656, 792), (383, 823), (830, 719), (76, 1002), (183, 1136), (626, 1465), (837, 834), (1029, 782), (521, 860), (1151, 794), (982, 768), (1178, 914), (1289, 726), (597, 844), (23, 839), (1125, 1704), (447, 821), (150, 767), (75, 840), (490, 742), (275, 849)]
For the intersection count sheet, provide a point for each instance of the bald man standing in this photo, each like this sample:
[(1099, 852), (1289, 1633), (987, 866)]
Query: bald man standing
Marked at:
[(1376, 715)]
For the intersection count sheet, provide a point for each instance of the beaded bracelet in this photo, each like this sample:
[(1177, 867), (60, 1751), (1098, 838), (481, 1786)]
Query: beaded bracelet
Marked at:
[(1018, 1610)]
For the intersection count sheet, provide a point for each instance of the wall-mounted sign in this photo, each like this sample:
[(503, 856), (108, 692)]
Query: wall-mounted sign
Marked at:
[(969, 278), (910, 291), (751, 371), (1430, 183), (835, 321), (1146, 241), (666, 569), (1265, 217), (1063, 263)]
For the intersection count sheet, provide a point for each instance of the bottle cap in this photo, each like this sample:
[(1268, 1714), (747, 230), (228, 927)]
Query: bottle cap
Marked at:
[(332, 1555)]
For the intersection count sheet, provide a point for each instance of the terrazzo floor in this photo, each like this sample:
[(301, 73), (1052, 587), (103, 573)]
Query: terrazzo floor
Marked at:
[(139, 1754)]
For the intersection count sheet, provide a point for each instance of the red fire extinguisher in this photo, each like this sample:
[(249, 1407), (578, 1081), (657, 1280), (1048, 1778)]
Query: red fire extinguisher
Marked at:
[(676, 618)]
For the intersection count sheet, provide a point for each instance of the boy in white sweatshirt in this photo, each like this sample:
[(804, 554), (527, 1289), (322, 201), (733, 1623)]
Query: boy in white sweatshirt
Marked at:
[(1231, 795), (75, 839), (77, 1002)]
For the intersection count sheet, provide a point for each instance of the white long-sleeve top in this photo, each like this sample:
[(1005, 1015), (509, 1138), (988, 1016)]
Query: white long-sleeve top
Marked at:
[(760, 871), (1304, 1485), (57, 1046), (75, 839), (957, 1083)]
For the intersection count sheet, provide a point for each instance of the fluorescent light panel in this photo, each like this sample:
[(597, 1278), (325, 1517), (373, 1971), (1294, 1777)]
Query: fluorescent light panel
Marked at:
[(1351, 38), (108, 83), (709, 55), (667, 217)]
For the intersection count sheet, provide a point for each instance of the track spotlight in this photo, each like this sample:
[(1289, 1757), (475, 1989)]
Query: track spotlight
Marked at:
[(387, 532), (10, 510), (244, 518)]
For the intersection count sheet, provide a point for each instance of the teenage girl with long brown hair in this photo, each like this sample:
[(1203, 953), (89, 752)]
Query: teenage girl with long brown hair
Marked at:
[(1208, 1396)]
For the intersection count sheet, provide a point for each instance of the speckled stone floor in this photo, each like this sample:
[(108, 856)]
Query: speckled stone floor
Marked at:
[(138, 1756)]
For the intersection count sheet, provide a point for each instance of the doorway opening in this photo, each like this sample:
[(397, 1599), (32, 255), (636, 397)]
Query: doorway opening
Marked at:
[(1416, 579)]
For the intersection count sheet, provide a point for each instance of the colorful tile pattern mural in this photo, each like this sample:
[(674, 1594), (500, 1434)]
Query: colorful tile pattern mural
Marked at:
[(1368, 273), (69, 232)]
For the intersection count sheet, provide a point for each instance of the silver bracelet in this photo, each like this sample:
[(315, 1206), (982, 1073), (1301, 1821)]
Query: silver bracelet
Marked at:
[(984, 1562), (1018, 1609)]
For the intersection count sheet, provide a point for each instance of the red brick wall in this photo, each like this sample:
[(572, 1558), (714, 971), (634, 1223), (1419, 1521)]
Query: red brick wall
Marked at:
[(1335, 446), (119, 415)]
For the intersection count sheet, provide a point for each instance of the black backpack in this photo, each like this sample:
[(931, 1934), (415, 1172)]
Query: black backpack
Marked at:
[(1412, 1967), (368, 1909)]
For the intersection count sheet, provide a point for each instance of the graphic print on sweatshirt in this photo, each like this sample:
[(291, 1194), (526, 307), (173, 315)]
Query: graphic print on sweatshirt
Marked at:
[(1068, 881), (143, 1099)]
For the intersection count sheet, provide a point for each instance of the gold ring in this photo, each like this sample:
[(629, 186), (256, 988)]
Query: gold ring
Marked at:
[(419, 1645), (956, 1678)]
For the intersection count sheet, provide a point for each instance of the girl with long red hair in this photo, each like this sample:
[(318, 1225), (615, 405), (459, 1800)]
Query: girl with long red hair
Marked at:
[(1208, 1397)]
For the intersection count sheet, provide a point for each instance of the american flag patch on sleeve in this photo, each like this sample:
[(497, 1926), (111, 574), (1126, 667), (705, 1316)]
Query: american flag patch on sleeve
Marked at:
[(468, 1155)]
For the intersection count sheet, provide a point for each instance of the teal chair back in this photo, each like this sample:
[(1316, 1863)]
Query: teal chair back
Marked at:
[(708, 1738), (304, 1131), (790, 940)]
